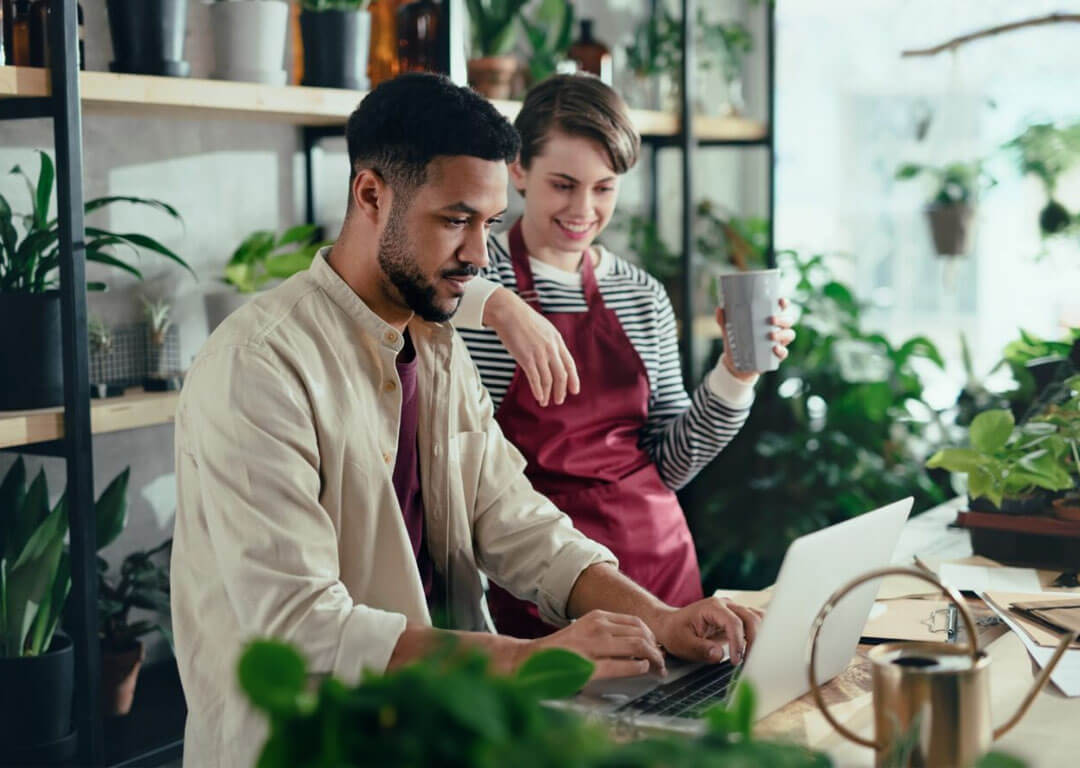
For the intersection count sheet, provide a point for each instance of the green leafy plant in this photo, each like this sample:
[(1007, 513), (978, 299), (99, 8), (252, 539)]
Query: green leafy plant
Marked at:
[(334, 5), (656, 47), (1007, 462), (451, 710), (845, 431), (144, 584), (953, 184), (1048, 151), (263, 256), (493, 26), (31, 264), (35, 569), (722, 237), (549, 34)]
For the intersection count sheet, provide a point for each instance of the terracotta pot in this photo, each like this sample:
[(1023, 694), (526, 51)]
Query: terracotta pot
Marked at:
[(119, 673), (493, 76), (1067, 508), (950, 226)]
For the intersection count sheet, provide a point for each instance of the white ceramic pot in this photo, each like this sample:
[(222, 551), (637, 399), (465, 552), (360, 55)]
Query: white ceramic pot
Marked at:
[(249, 40)]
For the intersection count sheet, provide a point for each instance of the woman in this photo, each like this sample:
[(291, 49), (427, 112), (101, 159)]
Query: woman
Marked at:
[(613, 454)]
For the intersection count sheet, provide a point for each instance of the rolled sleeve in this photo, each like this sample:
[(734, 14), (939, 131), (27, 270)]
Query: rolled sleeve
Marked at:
[(470, 311)]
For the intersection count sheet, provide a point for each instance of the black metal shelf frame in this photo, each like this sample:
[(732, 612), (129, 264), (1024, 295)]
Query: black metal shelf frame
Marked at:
[(64, 108)]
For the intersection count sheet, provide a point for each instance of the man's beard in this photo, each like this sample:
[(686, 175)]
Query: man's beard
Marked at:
[(399, 263)]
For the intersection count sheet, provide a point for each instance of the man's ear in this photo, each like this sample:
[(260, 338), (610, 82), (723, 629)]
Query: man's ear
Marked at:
[(518, 176), (370, 194)]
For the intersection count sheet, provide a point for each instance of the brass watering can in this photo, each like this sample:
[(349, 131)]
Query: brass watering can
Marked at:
[(935, 694)]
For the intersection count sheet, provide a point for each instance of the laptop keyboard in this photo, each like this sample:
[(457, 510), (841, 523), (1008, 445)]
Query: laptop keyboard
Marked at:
[(689, 696)]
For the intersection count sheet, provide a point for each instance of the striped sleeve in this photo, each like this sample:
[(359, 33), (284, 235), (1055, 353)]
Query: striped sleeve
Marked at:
[(683, 434)]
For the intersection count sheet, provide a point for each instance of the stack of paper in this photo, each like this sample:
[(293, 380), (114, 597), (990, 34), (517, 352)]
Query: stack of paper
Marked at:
[(1039, 641)]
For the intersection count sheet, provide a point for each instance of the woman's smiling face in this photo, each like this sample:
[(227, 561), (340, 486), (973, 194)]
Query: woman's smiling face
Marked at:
[(570, 191)]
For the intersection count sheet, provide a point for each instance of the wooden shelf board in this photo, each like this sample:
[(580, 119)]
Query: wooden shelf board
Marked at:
[(111, 93), (135, 409)]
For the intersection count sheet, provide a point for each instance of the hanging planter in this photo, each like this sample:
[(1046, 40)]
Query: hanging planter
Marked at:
[(951, 227), (249, 40), (951, 208), (148, 37), (336, 44)]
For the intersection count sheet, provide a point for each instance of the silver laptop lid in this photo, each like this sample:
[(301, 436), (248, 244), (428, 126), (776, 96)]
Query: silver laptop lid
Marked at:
[(815, 566)]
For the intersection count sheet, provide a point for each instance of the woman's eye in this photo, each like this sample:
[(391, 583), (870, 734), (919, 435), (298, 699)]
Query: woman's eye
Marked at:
[(605, 189), (563, 187)]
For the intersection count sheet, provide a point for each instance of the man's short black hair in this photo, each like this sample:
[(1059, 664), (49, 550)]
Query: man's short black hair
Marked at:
[(404, 123)]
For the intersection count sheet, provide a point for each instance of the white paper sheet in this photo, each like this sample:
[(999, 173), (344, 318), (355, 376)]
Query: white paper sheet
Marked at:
[(1066, 675), (979, 578)]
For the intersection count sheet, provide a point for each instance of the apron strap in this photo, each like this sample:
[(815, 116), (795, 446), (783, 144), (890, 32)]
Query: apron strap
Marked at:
[(523, 274)]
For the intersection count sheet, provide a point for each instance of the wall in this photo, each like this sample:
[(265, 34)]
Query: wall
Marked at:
[(227, 179)]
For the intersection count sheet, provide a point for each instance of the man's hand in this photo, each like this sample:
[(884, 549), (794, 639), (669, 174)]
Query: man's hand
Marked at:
[(535, 344), (619, 645), (783, 336), (701, 630)]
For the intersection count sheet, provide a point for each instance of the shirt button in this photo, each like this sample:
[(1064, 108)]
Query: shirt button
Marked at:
[(389, 386), (386, 457), (391, 337)]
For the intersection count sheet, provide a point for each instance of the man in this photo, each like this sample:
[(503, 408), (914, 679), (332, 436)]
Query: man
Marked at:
[(339, 466)]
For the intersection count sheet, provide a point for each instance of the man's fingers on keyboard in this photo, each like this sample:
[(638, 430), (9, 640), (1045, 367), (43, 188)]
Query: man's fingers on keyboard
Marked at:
[(606, 668)]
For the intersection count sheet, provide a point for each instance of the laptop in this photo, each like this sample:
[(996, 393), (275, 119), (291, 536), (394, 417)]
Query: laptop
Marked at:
[(814, 567)]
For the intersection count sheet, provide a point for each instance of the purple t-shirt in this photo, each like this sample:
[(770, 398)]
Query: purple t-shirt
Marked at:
[(407, 464)]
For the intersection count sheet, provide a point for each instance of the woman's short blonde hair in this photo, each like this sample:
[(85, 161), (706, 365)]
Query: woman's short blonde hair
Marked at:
[(578, 105)]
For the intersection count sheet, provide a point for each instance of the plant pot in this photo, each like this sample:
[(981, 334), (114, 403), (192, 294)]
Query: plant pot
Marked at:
[(951, 228), (336, 48), (119, 673), (31, 354), (222, 304), (492, 76), (1067, 508), (148, 36), (35, 708), (1036, 503), (249, 40)]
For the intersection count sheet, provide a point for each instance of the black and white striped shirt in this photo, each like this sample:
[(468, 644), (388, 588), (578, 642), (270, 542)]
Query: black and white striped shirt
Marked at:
[(682, 434)]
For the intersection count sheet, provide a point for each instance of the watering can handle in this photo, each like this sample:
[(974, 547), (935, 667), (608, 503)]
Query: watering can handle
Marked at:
[(1040, 682), (811, 670)]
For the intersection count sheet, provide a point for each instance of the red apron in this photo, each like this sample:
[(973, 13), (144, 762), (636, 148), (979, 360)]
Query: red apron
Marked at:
[(584, 456)]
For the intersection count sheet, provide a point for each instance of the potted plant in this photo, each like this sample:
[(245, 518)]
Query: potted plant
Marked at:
[(261, 257), (549, 34), (148, 36), (36, 660), (653, 58), (159, 378), (143, 584), (1047, 152), (492, 66), (1009, 469), (336, 35), (101, 344), (249, 40), (30, 340), (951, 207), (1065, 416)]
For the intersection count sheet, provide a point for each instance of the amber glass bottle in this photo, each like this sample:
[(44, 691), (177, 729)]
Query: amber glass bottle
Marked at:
[(40, 14), (418, 36), (383, 59), (590, 54), (17, 27)]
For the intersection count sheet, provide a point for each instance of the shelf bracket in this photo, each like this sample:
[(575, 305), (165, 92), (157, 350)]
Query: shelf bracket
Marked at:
[(20, 108)]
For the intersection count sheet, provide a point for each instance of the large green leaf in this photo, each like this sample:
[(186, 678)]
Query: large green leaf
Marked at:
[(961, 460), (273, 675), (101, 202), (30, 579), (288, 264), (554, 673), (990, 430), (12, 493), (8, 236), (301, 233), (44, 190), (27, 518), (141, 241), (110, 510), (100, 257)]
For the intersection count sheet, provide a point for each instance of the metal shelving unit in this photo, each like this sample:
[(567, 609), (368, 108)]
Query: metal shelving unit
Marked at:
[(153, 733)]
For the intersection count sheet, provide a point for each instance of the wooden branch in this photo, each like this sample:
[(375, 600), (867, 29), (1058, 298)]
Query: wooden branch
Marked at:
[(1053, 18)]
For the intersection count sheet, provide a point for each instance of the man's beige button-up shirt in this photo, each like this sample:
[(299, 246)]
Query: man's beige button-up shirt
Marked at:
[(287, 524)]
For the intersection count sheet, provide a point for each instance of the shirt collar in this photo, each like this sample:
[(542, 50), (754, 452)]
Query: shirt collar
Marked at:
[(342, 294)]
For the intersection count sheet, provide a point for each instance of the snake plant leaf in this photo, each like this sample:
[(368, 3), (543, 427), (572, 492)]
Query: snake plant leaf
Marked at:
[(111, 510)]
